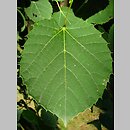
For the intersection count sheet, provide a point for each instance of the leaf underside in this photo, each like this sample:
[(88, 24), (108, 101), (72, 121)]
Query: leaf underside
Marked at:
[(65, 68)]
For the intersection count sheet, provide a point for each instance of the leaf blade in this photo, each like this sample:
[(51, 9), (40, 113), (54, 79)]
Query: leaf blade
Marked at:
[(39, 10), (104, 15), (66, 72)]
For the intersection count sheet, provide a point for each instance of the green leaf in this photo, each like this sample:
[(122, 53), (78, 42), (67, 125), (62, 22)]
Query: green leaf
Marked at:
[(104, 33), (48, 118), (30, 116), (111, 38), (39, 10), (104, 15), (19, 112), (65, 64)]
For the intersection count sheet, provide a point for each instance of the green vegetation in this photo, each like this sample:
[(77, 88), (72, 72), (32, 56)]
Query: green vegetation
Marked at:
[(65, 59)]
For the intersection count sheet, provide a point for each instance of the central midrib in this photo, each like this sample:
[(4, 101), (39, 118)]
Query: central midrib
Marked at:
[(65, 82)]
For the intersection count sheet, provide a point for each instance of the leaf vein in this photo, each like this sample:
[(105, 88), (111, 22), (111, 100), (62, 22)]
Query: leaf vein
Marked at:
[(85, 48), (43, 49)]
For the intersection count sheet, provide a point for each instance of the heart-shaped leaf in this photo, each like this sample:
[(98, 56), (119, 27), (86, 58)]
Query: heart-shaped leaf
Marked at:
[(65, 64)]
